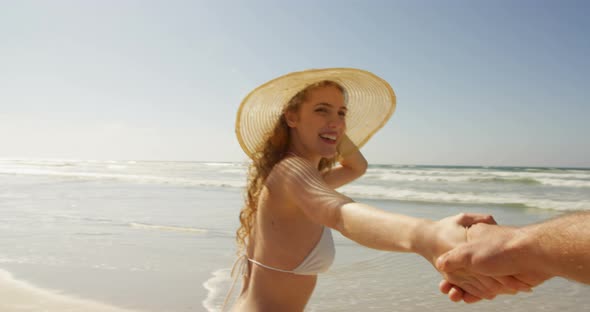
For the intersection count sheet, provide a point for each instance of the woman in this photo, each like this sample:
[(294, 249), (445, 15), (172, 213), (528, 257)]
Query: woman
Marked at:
[(295, 128)]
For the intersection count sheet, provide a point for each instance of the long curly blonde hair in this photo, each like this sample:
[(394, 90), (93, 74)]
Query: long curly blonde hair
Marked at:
[(274, 148)]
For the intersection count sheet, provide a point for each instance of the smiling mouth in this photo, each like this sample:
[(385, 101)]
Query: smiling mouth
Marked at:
[(328, 138)]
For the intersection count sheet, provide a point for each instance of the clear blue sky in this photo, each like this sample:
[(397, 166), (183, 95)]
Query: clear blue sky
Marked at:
[(478, 82)]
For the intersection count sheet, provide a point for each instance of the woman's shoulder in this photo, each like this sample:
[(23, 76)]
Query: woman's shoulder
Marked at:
[(294, 166), (293, 170)]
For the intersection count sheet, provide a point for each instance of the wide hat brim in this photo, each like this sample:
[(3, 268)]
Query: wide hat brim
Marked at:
[(370, 101)]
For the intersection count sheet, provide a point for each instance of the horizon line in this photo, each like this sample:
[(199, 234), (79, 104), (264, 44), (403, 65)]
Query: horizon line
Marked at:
[(247, 161)]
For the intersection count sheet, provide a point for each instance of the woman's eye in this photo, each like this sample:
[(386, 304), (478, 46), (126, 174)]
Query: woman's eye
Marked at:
[(323, 110), (343, 114)]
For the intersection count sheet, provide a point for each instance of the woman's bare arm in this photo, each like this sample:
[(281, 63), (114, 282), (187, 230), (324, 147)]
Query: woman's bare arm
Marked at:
[(372, 227), (362, 223), (352, 165)]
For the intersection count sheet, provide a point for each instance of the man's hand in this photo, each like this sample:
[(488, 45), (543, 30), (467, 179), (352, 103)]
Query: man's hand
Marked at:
[(497, 252), (438, 237)]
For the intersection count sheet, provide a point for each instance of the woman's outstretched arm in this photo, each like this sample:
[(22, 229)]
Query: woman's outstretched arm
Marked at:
[(373, 227)]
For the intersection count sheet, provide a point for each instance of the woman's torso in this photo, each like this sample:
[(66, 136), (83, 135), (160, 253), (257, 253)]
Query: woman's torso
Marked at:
[(282, 237)]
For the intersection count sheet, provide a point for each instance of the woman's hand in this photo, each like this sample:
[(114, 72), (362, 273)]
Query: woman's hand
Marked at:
[(438, 237)]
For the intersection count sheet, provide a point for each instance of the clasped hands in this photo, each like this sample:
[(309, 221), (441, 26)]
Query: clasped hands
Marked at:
[(477, 258)]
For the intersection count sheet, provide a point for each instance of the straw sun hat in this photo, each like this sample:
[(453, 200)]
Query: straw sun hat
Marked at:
[(370, 101)]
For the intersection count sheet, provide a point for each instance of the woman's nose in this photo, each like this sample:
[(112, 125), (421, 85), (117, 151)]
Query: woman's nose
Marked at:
[(336, 122)]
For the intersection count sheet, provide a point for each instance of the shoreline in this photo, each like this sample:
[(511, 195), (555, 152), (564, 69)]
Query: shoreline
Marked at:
[(18, 295)]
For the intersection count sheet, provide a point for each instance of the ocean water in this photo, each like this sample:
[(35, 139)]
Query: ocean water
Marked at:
[(159, 236)]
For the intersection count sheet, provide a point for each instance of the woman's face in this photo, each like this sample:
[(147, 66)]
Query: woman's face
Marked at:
[(320, 123)]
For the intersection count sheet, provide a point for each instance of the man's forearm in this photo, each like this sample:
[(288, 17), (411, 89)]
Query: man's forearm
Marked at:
[(562, 246)]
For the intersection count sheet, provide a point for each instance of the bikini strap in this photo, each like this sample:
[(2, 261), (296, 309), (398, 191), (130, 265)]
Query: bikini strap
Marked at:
[(241, 264), (269, 267)]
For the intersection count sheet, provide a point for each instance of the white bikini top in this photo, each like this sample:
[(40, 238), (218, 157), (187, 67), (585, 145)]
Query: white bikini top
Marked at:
[(317, 261)]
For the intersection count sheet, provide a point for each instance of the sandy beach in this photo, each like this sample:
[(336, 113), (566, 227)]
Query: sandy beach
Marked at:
[(19, 296)]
